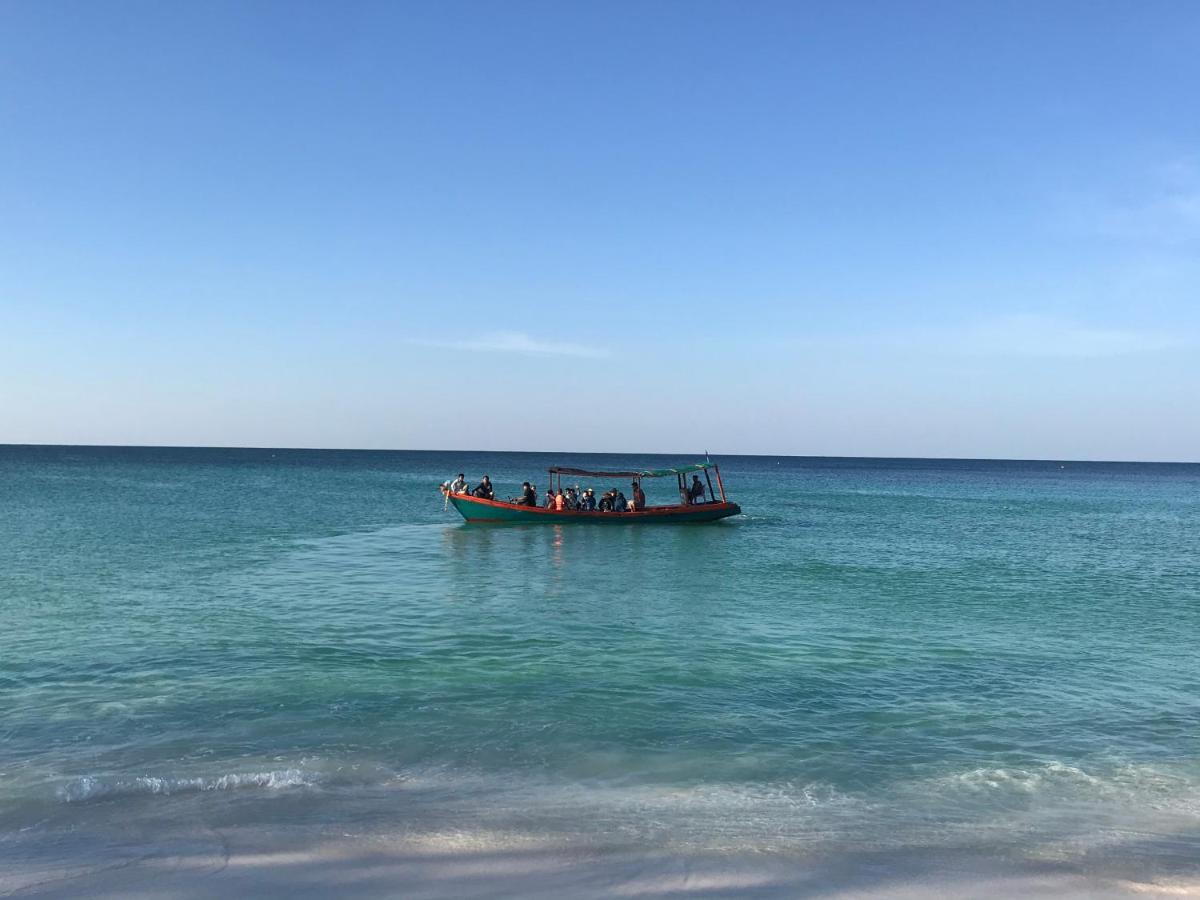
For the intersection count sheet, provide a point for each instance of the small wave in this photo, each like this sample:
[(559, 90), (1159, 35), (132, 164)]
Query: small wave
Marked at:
[(1126, 784), (1027, 780), (90, 787)]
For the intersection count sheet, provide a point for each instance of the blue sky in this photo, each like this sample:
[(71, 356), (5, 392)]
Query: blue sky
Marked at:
[(921, 229)]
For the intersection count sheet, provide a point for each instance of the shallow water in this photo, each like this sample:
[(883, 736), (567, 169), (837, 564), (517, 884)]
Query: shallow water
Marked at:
[(879, 654)]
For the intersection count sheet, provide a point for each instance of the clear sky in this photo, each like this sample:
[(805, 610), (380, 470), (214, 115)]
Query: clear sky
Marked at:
[(893, 228)]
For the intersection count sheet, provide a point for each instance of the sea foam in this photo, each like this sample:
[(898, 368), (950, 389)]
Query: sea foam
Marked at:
[(92, 787)]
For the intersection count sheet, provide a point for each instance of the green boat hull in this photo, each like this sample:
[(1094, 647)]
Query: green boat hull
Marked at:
[(496, 512)]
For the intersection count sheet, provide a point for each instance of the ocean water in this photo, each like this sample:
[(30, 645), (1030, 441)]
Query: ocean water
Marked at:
[(879, 655)]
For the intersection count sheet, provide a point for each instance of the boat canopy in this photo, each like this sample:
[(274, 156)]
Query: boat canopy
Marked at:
[(644, 473)]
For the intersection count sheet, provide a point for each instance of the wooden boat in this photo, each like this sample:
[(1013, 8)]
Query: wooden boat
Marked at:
[(476, 509)]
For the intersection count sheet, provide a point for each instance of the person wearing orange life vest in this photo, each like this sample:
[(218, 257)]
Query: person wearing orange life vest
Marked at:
[(560, 502)]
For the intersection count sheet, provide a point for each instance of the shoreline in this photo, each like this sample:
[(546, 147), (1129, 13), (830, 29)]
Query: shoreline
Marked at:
[(303, 861), (462, 836)]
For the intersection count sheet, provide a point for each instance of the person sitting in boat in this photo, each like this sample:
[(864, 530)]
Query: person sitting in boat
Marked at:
[(485, 491), (606, 502), (620, 504), (639, 496), (696, 491), (588, 500), (528, 495), (560, 501), (459, 484), (573, 497)]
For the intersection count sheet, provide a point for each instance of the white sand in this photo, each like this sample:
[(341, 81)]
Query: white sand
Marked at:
[(306, 861)]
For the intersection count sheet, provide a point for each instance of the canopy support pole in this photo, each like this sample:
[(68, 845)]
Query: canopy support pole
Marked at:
[(720, 483), (711, 492)]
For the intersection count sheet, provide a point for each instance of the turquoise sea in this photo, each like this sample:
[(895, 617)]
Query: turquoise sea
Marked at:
[(879, 655)]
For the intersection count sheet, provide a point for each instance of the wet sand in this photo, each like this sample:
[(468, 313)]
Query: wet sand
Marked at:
[(303, 861)]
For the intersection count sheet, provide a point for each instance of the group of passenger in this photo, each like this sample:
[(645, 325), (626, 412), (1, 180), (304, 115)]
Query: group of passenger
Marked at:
[(572, 498), (483, 490)]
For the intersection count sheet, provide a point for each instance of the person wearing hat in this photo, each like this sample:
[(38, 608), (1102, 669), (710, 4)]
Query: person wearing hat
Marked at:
[(606, 502)]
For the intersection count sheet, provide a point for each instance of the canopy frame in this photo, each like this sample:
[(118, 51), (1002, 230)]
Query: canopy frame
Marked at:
[(640, 473)]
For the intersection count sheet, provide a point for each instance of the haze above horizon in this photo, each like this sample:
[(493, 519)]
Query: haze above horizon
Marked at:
[(873, 230), (680, 457)]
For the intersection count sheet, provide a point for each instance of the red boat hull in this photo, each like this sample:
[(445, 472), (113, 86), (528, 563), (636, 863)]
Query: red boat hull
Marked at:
[(474, 509)]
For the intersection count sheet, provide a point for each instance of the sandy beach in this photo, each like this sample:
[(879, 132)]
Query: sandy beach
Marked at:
[(303, 863), (299, 844)]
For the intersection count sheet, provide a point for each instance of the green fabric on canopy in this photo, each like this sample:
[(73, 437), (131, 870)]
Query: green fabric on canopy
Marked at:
[(645, 473)]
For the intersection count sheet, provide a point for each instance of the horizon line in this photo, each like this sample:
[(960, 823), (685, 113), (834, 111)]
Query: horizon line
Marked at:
[(1047, 459)]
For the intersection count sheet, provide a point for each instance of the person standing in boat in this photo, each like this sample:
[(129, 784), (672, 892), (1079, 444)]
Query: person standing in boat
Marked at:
[(696, 491), (485, 491), (639, 496)]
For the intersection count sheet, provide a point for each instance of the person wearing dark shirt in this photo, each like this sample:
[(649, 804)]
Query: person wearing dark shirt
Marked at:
[(696, 491), (528, 495), (484, 491), (588, 500), (620, 504), (606, 502), (639, 496)]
